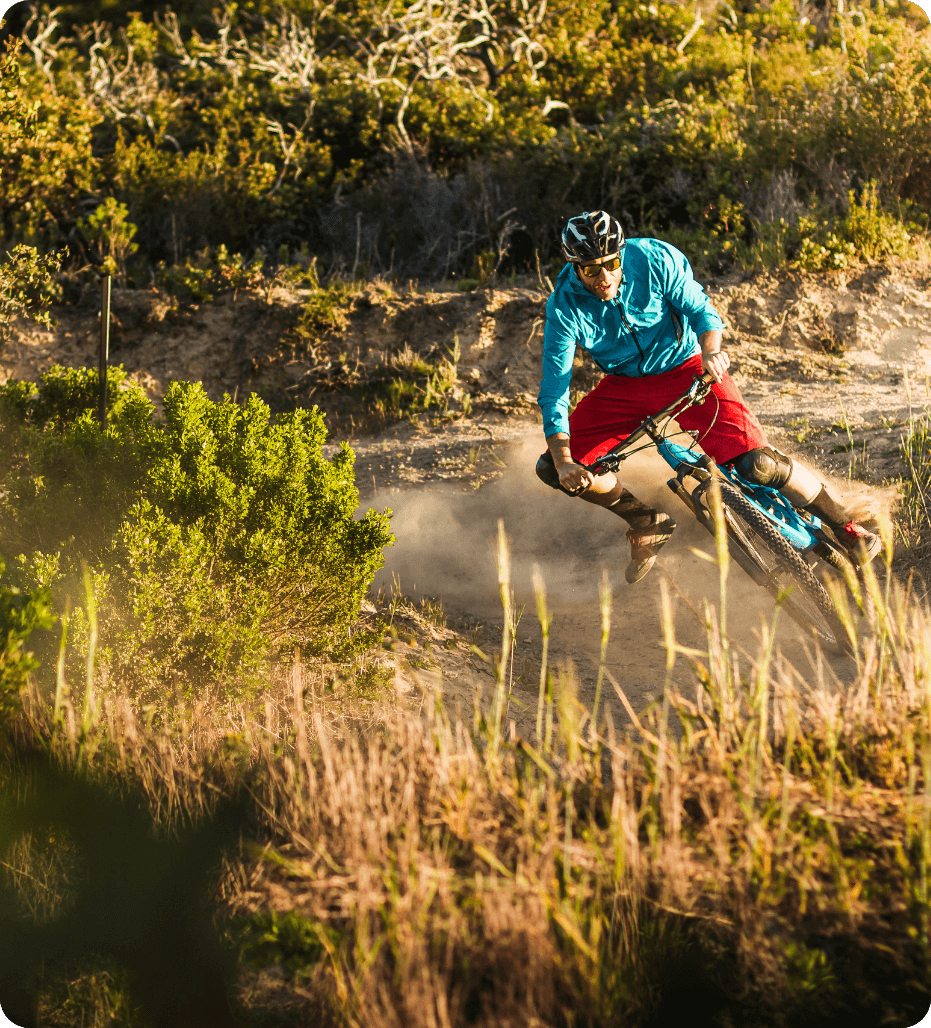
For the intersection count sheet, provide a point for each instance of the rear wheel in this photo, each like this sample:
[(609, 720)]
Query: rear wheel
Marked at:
[(772, 561)]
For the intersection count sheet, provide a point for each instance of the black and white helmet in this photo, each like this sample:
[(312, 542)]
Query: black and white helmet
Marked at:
[(591, 236)]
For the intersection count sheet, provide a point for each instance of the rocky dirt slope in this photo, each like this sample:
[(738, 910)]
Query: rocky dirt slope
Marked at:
[(808, 350)]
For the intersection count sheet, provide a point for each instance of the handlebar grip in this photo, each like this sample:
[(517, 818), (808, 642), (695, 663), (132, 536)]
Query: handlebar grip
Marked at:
[(706, 378)]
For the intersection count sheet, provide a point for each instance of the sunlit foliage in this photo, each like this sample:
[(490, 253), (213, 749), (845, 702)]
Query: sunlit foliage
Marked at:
[(408, 137)]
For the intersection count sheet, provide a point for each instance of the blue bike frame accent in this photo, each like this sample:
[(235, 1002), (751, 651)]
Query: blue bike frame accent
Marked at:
[(770, 502)]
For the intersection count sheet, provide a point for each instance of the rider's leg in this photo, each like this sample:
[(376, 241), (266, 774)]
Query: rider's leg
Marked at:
[(799, 485), (649, 530), (728, 431), (602, 419)]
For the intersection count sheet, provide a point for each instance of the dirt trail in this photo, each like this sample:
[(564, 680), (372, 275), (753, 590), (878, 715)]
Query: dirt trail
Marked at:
[(447, 549)]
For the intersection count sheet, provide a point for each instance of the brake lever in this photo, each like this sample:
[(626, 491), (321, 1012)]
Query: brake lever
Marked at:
[(699, 389), (609, 462)]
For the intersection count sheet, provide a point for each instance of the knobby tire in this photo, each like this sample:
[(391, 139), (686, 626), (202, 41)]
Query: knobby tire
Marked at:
[(776, 564)]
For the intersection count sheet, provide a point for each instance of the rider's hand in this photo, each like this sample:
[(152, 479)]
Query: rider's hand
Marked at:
[(716, 364), (573, 477)]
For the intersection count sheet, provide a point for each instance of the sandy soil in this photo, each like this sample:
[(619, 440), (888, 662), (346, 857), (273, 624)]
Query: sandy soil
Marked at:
[(833, 365)]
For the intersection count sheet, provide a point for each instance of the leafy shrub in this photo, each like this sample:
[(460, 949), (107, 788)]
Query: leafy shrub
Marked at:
[(111, 235), (20, 614), (26, 281), (865, 233), (324, 310), (216, 536), (210, 273), (820, 246), (47, 166), (872, 232)]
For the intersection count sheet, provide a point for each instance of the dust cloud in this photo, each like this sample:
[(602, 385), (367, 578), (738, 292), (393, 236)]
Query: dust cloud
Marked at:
[(446, 550)]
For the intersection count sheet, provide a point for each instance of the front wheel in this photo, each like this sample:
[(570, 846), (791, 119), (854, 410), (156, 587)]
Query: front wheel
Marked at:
[(772, 561)]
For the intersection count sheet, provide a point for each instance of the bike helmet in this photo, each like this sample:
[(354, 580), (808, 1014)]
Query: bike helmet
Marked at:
[(591, 236)]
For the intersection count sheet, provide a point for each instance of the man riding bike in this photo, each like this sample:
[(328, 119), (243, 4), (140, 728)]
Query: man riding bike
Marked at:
[(636, 309)]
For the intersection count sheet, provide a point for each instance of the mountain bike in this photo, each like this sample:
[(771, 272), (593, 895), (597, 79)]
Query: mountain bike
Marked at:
[(783, 549)]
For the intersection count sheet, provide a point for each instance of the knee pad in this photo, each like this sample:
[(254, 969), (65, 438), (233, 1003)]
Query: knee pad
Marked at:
[(546, 472), (764, 466)]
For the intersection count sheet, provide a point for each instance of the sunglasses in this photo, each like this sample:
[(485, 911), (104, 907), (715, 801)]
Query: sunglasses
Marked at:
[(594, 270)]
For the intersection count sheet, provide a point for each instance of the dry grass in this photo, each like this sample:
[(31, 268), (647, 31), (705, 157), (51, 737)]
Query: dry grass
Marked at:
[(758, 851)]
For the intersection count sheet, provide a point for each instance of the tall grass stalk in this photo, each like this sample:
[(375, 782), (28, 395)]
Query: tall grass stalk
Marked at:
[(604, 597), (925, 850), (88, 707), (507, 604), (719, 648), (61, 688), (723, 554), (915, 448), (545, 619)]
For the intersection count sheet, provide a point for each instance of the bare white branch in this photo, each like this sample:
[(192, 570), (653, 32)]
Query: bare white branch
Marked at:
[(115, 79), (687, 38), (40, 41)]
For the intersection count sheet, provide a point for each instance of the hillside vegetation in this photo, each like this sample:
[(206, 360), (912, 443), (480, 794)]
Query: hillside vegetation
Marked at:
[(433, 139)]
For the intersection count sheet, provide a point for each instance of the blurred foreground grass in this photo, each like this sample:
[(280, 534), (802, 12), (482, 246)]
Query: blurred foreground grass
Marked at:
[(755, 852)]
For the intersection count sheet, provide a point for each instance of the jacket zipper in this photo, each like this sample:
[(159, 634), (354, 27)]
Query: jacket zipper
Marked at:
[(633, 334)]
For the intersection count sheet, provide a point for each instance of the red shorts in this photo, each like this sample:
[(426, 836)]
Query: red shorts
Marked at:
[(618, 404)]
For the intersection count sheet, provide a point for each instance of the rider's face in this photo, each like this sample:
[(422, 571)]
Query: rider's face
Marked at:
[(606, 283)]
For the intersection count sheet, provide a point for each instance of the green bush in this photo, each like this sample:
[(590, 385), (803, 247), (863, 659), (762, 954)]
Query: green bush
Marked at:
[(216, 536), (209, 274), (27, 283), (866, 233), (326, 309), (821, 247), (47, 165), (111, 235), (874, 233), (20, 614)]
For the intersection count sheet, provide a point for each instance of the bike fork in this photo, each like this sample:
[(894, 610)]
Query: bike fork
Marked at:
[(684, 495), (702, 473), (737, 551)]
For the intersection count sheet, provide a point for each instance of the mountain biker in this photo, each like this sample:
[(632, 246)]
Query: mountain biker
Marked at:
[(636, 309)]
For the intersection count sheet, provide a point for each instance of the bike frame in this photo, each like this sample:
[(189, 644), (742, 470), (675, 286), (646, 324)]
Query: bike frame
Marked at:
[(802, 532)]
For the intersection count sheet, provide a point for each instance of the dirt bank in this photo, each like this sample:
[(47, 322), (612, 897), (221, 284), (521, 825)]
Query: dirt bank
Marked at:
[(804, 345)]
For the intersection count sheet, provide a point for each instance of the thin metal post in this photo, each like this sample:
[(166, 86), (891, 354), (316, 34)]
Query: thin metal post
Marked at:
[(104, 347)]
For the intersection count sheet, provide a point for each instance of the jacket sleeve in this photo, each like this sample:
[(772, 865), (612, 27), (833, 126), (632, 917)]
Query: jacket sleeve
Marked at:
[(559, 341), (685, 294)]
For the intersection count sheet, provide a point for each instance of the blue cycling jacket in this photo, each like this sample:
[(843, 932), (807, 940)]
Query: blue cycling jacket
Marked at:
[(635, 334)]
